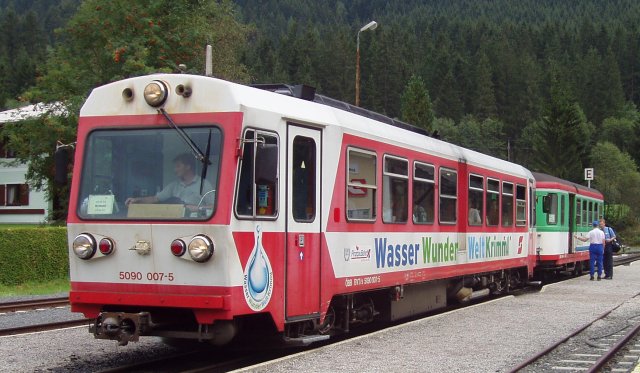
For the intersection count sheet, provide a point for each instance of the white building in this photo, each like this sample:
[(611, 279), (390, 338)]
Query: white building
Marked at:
[(18, 202)]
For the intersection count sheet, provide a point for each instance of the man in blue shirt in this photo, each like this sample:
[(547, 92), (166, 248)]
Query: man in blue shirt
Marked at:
[(609, 236)]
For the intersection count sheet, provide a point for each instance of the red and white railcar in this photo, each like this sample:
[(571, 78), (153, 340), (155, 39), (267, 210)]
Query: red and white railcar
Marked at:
[(309, 212)]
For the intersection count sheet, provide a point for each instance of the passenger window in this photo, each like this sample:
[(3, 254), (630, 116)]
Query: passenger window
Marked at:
[(304, 179), (395, 197), (476, 202), (507, 204), (578, 212), (585, 213), (256, 195), (448, 196), (493, 202), (552, 215), (361, 185), (562, 199), (521, 205), (423, 193)]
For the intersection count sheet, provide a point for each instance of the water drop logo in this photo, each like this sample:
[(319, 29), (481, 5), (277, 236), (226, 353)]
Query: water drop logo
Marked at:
[(258, 276)]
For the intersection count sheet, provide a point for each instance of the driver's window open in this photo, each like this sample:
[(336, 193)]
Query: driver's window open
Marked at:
[(256, 194)]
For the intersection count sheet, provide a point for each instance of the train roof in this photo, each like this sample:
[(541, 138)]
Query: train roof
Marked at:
[(297, 104), (549, 181)]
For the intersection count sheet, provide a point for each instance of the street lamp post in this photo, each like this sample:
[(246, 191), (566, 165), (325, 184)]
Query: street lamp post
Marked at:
[(369, 26)]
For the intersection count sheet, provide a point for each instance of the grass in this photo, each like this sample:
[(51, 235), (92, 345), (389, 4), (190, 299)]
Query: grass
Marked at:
[(35, 288)]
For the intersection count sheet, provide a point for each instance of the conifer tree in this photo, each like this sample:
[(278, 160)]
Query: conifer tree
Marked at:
[(416, 104)]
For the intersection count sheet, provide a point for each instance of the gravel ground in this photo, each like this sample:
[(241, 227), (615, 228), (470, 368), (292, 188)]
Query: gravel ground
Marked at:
[(73, 350), (490, 337)]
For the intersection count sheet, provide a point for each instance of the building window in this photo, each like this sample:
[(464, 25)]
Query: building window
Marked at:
[(395, 197), (361, 185), (423, 193), (14, 195), (448, 196)]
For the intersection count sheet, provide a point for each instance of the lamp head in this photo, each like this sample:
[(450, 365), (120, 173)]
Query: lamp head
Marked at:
[(369, 26)]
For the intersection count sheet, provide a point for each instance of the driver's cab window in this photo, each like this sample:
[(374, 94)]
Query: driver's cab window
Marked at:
[(256, 195)]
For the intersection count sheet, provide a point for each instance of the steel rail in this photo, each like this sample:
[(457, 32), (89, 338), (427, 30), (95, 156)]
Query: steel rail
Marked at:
[(44, 327), (611, 353), (555, 345), (33, 304)]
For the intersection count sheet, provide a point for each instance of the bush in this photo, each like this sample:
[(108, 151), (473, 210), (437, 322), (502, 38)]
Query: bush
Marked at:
[(33, 254)]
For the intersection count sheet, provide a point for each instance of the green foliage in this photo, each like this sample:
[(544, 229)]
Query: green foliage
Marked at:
[(110, 40), (483, 136), (416, 105), (616, 176), (560, 141), (33, 254)]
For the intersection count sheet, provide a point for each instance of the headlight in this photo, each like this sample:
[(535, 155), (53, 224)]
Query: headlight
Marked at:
[(84, 246), (155, 93), (200, 248)]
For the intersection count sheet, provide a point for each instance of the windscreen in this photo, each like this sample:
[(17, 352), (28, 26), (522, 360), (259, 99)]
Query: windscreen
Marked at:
[(149, 174)]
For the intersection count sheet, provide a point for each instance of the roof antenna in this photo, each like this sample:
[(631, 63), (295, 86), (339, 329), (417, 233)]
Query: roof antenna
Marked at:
[(208, 69)]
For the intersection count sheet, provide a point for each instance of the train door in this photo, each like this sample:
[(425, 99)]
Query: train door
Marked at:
[(572, 219), (304, 147)]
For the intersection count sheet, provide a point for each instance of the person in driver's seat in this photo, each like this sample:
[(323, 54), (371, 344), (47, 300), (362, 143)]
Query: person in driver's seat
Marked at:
[(185, 190)]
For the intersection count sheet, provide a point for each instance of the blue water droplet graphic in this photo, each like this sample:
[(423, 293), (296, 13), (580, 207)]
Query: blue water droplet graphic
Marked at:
[(258, 274)]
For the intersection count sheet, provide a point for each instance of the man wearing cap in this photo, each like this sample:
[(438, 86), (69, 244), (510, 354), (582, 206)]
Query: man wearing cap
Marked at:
[(596, 249)]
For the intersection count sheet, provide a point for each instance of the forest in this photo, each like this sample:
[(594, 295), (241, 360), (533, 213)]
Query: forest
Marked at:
[(553, 85)]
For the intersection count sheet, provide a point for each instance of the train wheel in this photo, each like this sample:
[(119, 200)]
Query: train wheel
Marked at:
[(329, 321)]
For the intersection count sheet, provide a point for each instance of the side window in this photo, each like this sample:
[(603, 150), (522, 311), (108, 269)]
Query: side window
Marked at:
[(585, 213), (552, 216), (476, 200), (507, 204), (448, 196), (578, 212), (493, 202), (423, 193), (361, 185), (256, 195), (304, 179), (521, 205), (562, 199), (395, 190)]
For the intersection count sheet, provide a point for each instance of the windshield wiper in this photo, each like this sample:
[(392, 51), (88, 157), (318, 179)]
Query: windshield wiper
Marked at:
[(197, 153), (206, 164)]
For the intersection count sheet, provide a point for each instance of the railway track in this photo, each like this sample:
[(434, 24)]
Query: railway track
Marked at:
[(38, 304), (44, 327), (625, 258), (586, 349), (33, 304)]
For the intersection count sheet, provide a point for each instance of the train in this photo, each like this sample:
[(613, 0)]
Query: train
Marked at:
[(200, 206)]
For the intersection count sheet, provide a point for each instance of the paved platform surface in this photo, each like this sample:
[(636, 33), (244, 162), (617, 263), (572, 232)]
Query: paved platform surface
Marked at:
[(490, 337)]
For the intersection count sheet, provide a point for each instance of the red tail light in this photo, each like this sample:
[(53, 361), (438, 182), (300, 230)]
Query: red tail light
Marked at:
[(178, 247), (105, 246)]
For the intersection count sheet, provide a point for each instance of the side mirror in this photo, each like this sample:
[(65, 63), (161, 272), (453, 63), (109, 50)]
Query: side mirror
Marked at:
[(61, 159), (546, 204)]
